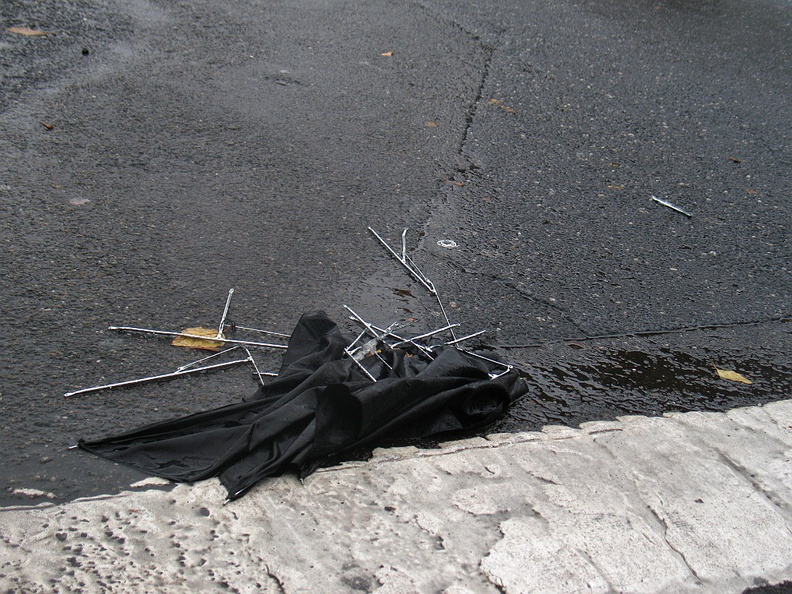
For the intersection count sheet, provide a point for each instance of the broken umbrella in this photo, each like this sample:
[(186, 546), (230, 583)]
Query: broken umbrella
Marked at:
[(331, 396)]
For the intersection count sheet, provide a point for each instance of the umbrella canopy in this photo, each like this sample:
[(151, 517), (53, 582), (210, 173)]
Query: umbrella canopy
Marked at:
[(321, 405)]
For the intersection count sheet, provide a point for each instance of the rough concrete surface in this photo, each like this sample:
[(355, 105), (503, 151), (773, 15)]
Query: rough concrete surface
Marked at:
[(155, 153), (689, 502)]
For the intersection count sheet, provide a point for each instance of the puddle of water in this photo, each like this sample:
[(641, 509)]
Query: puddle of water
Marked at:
[(634, 382), (571, 383)]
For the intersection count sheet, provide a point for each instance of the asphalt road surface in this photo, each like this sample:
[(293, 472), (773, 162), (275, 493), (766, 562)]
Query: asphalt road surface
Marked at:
[(155, 154)]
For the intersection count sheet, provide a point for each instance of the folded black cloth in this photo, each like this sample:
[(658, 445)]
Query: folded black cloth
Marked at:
[(320, 405)]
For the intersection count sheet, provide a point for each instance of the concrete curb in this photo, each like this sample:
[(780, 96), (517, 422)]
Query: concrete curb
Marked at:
[(693, 502)]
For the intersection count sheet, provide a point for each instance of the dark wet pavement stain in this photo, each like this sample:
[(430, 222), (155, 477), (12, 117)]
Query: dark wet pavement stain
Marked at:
[(643, 372), (572, 382), (609, 382)]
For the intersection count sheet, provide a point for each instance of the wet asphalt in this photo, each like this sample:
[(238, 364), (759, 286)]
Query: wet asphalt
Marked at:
[(154, 155)]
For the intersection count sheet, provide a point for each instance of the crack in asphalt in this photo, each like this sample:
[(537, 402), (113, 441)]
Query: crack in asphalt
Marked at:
[(473, 108), (521, 292), (647, 333)]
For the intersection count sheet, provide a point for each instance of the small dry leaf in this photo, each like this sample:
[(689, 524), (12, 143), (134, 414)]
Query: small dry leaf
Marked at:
[(500, 104), (732, 376), (198, 343), (27, 31), (735, 160), (458, 184), (386, 54), (431, 125), (47, 126)]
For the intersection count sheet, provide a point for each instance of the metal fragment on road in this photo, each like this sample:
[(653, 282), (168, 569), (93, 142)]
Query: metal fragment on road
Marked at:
[(407, 262), (671, 206), (155, 377), (445, 315), (202, 359), (367, 348), (426, 334), (412, 267), (357, 317), (381, 358), (225, 313), (373, 329), (207, 338), (488, 359), (270, 332), (354, 342), (468, 337), (259, 373), (385, 332), (359, 364), (375, 332), (425, 350)]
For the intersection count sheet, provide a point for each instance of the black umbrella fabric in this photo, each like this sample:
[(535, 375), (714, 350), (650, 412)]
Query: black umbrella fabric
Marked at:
[(320, 405)]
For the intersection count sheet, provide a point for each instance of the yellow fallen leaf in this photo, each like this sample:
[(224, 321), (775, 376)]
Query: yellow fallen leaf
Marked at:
[(27, 31), (500, 104), (198, 343), (732, 376)]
